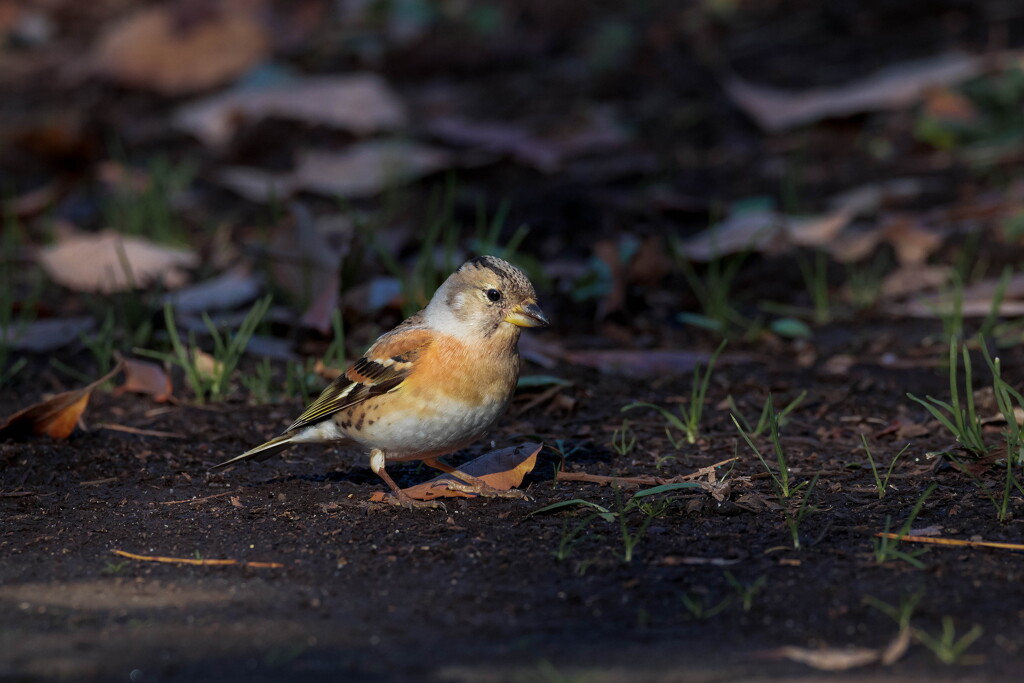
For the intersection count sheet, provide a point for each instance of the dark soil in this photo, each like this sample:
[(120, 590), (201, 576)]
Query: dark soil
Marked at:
[(478, 592), (474, 593)]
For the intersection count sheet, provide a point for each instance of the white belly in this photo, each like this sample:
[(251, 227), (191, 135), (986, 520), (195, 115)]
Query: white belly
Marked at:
[(448, 428)]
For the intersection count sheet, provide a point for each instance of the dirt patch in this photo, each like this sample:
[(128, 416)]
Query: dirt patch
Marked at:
[(476, 592)]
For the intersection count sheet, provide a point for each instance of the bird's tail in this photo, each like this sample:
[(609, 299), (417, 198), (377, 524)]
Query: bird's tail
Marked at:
[(278, 443)]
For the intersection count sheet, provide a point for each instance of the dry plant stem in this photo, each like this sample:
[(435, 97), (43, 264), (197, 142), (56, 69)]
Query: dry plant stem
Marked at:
[(195, 500), (639, 481), (189, 560), (139, 432), (951, 541)]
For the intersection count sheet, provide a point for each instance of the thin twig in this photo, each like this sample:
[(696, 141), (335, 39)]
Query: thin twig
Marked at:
[(951, 541), (98, 482), (138, 431), (193, 500), (192, 561), (639, 481)]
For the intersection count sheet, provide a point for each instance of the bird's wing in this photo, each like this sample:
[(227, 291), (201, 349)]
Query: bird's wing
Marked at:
[(382, 368)]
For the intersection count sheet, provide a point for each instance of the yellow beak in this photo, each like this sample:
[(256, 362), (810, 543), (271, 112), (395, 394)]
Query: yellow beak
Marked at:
[(527, 314)]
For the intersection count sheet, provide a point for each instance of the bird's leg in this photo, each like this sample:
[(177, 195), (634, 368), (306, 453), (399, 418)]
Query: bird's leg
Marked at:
[(398, 496), (470, 484)]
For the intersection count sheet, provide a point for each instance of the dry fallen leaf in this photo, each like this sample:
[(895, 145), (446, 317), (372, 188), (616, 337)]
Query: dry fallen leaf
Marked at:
[(167, 49), (503, 469), (360, 103), (894, 87), (974, 301), (596, 131), (866, 200), (764, 231), (108, 262), (910, 279), (912, 241), (206, 365), (227, 291), (45, 335), (56, 416), (144, 377), (360, 170), (943, 104)]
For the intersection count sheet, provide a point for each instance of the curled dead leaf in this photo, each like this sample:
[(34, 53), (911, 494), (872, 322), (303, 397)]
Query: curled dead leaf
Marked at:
[(503, 469), (144, 377), (55, 417)]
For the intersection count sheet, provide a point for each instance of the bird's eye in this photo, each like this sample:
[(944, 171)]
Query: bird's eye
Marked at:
[(493, 295)]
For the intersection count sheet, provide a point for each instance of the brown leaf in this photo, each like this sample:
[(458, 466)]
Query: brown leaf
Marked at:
[(910, 279), (608, 252), (765, 232), (206, 365), (108, 262), (975, 300), (363, 169), (360, 103), (144, 377), (912, 241), (893, 87), (154, 49), (650, 264), (56, 416), (503, 469), (943, 104)]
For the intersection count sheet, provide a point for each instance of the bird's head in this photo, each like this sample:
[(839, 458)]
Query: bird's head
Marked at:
[(484, 296)]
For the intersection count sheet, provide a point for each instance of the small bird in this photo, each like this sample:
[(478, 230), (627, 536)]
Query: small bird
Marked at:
[(434, 384)]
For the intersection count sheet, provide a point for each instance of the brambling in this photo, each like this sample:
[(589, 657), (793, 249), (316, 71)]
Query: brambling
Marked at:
[(434, 384)]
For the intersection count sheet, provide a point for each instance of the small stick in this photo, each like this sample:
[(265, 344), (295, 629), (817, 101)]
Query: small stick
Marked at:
[(640, 481), (189, 560), (138, 431), (97, 482), (951, 541), (194, 500)]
